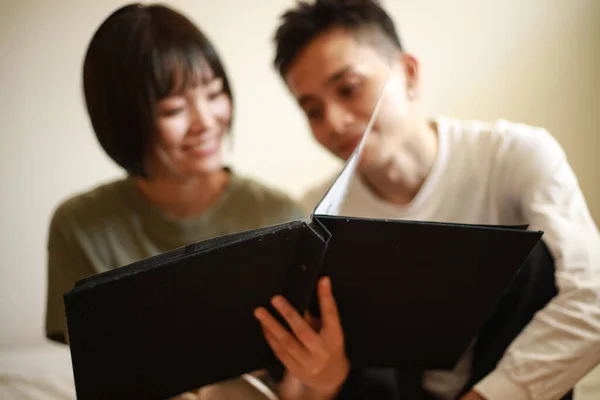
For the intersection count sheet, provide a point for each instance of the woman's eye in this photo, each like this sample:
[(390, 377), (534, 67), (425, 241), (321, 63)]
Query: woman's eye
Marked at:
[(171, 112), (215, 95), (215, 89)]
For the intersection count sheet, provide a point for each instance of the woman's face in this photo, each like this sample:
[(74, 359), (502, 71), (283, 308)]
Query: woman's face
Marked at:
[(190, 127)]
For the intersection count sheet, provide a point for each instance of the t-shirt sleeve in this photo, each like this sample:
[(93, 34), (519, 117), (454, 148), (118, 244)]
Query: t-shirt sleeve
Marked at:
[(67, 263)]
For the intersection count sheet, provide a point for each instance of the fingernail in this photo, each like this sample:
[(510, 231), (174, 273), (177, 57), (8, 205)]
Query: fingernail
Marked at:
[(277, 301), (259, 313), (326, 282)]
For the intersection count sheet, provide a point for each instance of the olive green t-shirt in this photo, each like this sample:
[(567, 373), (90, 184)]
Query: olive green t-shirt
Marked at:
[(114, 225)]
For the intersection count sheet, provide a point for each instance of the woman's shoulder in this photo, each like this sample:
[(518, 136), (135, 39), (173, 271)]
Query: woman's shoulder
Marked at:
[(263, 198), (89, 207)]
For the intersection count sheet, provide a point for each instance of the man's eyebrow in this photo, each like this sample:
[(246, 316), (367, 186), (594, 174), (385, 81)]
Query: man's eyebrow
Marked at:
[(302, 100), (338, 75)]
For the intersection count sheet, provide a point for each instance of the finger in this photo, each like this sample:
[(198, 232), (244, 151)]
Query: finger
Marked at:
[(307, 316), (284, 338), (315, 323), (303, 331), (329, 313), (282, 354)]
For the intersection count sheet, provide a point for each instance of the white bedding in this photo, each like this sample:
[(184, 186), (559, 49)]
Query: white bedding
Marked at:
[(41, 372)]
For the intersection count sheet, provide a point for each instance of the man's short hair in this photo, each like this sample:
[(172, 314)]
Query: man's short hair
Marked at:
[(365, 19), (139, 55)]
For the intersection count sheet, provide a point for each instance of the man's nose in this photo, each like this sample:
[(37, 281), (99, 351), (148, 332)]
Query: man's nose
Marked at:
[(339, 119)]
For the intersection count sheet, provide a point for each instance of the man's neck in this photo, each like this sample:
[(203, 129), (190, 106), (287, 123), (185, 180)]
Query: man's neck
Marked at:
[(399, 181), (185, 198)]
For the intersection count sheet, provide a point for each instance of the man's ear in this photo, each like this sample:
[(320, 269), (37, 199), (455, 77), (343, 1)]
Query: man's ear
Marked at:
[(410, 66)]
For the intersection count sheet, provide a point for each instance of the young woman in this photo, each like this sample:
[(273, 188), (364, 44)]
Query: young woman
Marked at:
[(160, 105)]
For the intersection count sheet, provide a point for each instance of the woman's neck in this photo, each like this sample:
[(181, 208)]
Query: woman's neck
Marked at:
[(400, 180), (185, 198)]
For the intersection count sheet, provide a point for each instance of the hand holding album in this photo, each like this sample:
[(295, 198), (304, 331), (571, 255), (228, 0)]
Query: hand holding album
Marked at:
[(316, 358)]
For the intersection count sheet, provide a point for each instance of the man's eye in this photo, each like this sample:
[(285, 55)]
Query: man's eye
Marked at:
[(348, 90), (314, 114)]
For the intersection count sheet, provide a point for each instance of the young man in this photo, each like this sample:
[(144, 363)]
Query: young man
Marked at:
[(334, 57)]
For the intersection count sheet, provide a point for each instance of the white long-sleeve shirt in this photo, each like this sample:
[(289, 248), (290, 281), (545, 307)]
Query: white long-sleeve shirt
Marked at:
[(507, 173)]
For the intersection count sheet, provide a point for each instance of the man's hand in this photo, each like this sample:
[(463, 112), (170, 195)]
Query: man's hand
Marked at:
[(317, 360), (472, 395)]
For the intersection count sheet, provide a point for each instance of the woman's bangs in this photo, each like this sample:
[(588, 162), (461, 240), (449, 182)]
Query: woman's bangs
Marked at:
[(176, 70)]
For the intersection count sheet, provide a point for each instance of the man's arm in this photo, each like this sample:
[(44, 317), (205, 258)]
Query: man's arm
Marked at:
[(562, 342)]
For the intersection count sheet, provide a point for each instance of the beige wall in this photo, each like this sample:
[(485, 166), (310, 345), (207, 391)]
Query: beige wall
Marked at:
[(535, 61)]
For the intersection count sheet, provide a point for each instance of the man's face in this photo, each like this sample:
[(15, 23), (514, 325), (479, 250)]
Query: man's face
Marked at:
[(337, 81)]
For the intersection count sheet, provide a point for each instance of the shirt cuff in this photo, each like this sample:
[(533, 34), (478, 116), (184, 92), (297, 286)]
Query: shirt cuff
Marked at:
[(498, 386), (260, 385)]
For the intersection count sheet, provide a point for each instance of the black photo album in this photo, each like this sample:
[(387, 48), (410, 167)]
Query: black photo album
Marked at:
[(409, 293)]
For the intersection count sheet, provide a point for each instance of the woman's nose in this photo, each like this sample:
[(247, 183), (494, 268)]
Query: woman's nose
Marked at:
[(202, 118)]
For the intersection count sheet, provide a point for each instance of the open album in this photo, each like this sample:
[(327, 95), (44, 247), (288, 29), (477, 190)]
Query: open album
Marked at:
[(410, 294)]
